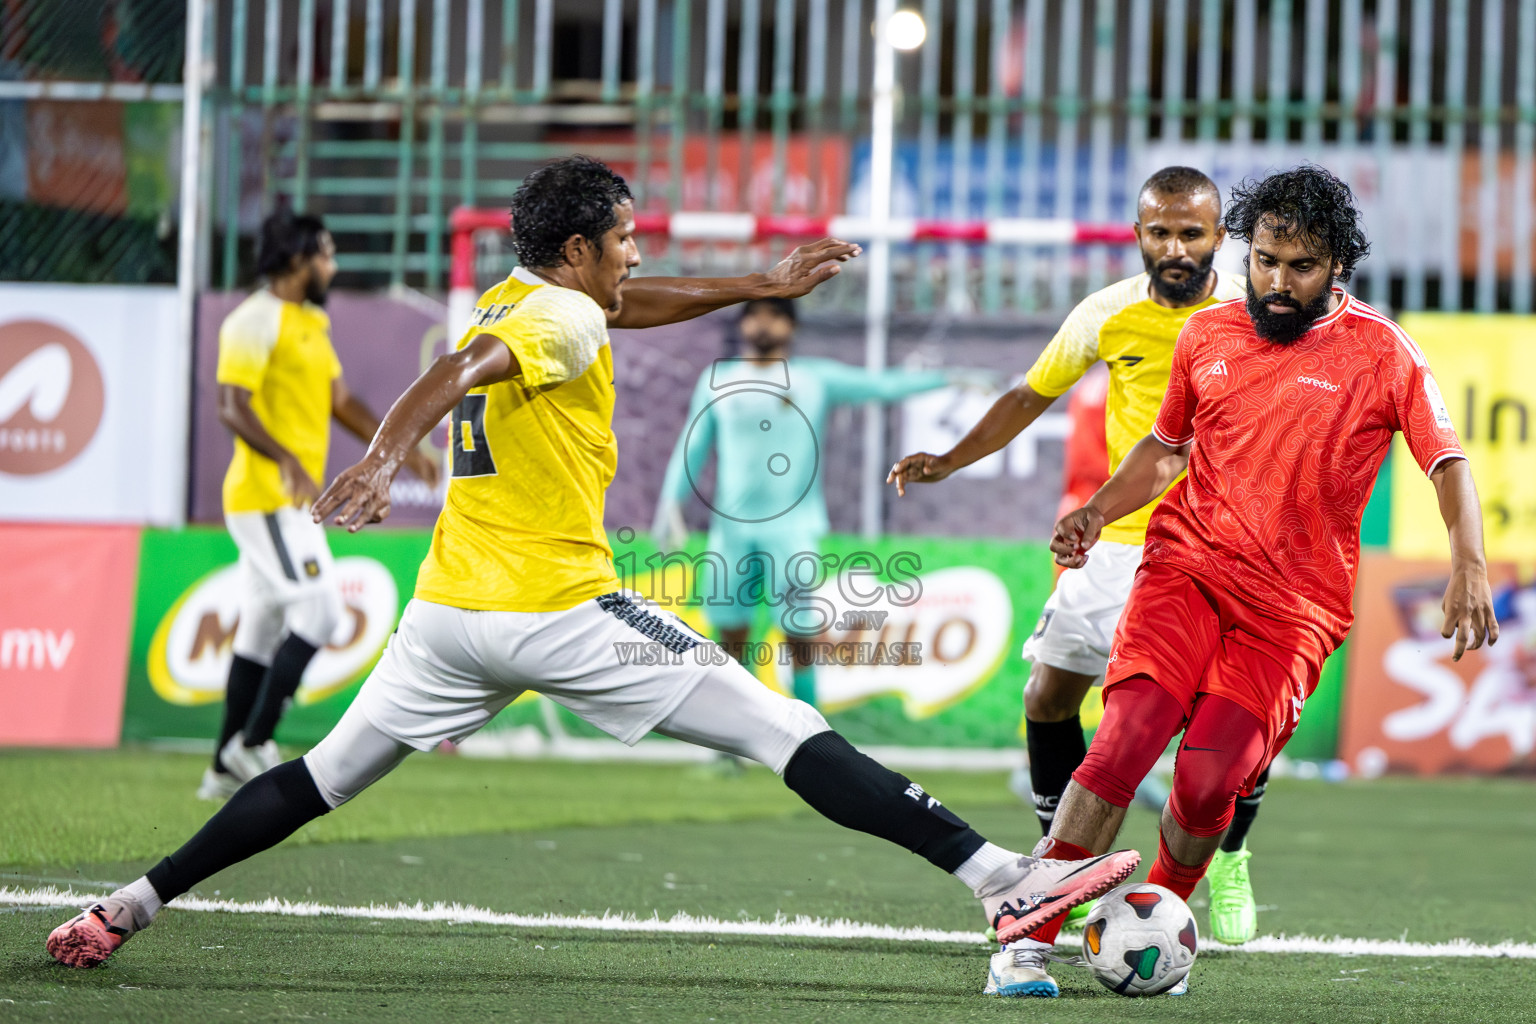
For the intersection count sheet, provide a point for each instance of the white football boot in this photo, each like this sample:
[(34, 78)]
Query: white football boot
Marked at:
[(217, 786), (245, 763), (1019, 970), (1022, 896)]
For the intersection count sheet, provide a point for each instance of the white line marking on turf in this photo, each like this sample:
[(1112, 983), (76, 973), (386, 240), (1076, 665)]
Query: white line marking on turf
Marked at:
[(14, 876), (781, 926)]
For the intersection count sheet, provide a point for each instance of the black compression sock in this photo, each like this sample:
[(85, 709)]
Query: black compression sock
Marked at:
[(264, 812), (281, 682), (1055, 751), (858, 792), (1243, 814), (240, 695)]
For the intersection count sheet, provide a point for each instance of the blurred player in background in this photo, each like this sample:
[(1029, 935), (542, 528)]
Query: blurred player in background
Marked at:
[(1131, 326), (518, 591), (280, 385), (1085, 456), (1281, 408), (753, 412)]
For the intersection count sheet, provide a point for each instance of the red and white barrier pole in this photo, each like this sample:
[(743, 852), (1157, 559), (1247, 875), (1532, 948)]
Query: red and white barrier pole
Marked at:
[(745, 228)]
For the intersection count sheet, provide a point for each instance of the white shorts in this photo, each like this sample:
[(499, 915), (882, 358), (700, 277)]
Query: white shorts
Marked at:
[(288, 580), (617, 661), (1078, 623)]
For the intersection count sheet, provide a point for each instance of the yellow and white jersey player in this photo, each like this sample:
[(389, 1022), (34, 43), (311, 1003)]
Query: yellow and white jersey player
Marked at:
[(1123, 326)]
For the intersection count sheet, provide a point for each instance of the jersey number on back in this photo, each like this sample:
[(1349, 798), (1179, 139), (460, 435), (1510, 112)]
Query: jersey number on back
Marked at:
[(471, 449)]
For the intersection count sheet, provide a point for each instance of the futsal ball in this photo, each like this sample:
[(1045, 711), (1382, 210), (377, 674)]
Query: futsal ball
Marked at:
[(1140, 940)]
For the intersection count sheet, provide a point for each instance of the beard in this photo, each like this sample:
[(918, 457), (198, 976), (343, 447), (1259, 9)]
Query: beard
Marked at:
[(1285, 328), (1180, 292), (316, 292), (762, 342)]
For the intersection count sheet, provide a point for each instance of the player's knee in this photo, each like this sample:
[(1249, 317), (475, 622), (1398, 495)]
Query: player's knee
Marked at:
[(797, 722), (1046, 699), (335, 785), (804, 721), (1106, 776), (1202, 802)]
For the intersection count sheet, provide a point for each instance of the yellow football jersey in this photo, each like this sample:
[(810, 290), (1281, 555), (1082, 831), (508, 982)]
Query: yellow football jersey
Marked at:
[(281, 353), (1134, 336), (522, 527)]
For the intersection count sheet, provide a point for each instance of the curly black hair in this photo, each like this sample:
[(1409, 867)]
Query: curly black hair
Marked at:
[(284, 235), (1306, 203), (573, 196)]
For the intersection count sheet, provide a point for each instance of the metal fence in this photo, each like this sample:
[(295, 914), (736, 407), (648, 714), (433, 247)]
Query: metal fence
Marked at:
[(384, 115), (89, 104)]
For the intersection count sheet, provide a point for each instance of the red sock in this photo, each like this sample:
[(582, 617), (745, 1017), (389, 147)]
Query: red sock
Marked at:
[(1170, 874), (1055, 849)]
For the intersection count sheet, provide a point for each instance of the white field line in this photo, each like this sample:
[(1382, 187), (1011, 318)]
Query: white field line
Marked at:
[(781, 926)]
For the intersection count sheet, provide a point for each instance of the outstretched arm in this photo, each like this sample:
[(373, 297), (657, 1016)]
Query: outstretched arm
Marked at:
[(356, 415), (653, 301), (1149, 469), (1007, 418), (360, 494), (846, 384), (1468, 600)]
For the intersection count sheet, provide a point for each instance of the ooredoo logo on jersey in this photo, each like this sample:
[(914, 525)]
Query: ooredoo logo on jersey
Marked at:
[(51, 397)]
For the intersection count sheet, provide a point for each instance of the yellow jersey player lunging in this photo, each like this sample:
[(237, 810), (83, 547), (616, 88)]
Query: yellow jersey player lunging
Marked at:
[(280, 384), (519, 592)]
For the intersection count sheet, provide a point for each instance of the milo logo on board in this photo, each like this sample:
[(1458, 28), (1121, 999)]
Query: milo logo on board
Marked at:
[(192, 647)]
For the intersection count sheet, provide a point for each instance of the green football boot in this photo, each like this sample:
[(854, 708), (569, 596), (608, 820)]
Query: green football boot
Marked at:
[(1234, 915), (1076, 916)]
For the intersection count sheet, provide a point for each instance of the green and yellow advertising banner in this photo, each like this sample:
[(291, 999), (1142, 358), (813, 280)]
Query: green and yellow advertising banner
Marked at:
[(188, 606), (1486, 369), (917, 642)]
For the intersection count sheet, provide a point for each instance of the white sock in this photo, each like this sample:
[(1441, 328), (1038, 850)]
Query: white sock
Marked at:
[(144, 893), (982, 863)]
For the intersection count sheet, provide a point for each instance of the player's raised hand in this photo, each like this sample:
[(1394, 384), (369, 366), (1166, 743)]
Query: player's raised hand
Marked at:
[(358, 496), (810, 265), (1076, 532), (918, 468), (301, 487), (1468, 607)]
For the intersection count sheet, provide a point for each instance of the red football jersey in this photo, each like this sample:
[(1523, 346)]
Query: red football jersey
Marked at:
[(1287, 442)]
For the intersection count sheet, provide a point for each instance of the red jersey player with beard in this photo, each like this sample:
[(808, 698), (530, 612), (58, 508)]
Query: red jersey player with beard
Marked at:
[(1282, 408)]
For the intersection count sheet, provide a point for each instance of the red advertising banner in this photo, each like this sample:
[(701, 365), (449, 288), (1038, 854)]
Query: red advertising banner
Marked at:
[(66, 604), (1408, 706)]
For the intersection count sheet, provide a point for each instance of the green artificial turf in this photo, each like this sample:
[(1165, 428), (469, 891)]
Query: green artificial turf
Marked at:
[(1391, 859)]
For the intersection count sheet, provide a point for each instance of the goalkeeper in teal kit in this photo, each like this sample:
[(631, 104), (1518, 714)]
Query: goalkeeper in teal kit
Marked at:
[(764, 416)]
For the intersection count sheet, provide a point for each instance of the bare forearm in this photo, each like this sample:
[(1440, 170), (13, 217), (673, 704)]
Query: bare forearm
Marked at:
[(1462, 512), (247, 426), (355, 415), (1007, 418), (1148, 470), (653, 301), (422, 407)]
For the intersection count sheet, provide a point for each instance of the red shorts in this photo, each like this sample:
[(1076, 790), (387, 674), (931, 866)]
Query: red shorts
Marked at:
[(1191, 637)]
